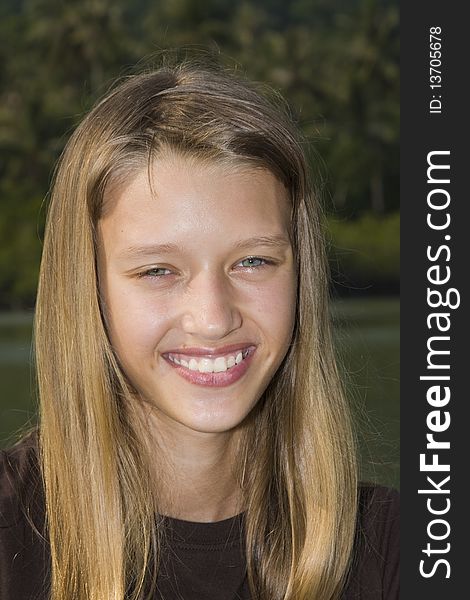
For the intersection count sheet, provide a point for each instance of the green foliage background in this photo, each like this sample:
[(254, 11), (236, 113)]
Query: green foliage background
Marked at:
[(336, 61)]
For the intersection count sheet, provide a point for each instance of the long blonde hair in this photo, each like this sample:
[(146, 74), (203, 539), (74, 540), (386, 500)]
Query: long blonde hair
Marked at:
[(301, 488)]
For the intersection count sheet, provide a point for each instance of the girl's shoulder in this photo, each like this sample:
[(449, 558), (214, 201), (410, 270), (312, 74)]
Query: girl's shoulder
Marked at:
[(375, 568), (23, 549), (379, 518), (20, 480), (378, 504)]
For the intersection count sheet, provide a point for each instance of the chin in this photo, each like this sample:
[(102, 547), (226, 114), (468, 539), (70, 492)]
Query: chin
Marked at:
[(214, 425), (216, 421)]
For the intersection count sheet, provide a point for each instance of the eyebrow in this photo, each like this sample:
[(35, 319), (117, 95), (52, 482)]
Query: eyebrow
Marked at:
[(273, 241)]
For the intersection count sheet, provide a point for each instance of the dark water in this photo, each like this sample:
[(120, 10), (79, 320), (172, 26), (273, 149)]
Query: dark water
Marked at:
[(367, 335), (16, 403), (368, 341)]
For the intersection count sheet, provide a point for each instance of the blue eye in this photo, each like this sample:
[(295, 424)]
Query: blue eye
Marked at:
[(253, 261), (156, 272)]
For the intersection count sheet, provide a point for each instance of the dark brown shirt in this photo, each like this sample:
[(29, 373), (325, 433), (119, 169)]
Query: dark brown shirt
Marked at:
[(203, 561)]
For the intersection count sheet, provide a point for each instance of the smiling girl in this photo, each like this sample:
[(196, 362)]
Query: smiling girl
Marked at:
[(194, 440)]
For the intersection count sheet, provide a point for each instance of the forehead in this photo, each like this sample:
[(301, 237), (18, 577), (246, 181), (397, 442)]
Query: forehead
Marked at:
[(186, 198)]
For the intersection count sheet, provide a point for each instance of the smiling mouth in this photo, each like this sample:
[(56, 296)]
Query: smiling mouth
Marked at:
[(204, 364), (207, 368)]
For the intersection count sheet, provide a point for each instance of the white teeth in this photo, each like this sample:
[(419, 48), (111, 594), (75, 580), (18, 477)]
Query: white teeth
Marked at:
[(220, 364), (205, 365), (208, 365)]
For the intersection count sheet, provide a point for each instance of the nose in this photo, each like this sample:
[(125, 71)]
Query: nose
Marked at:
[(209, 308)]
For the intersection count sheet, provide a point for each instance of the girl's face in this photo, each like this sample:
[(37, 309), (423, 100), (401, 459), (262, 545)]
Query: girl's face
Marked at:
[(199, 288)]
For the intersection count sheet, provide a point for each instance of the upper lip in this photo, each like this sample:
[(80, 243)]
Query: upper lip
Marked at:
[(202, 351)]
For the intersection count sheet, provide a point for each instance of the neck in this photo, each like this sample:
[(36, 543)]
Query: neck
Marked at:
[(196, 474)]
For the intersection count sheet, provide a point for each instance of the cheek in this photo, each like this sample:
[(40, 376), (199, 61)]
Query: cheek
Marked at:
[(136, 324), (275, 309)]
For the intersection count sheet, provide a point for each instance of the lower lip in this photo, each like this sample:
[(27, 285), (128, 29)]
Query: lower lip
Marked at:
[(222, 379)]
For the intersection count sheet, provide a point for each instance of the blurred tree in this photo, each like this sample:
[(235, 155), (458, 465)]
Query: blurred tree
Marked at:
[(58, 56), (364, 114), (336, 61)]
